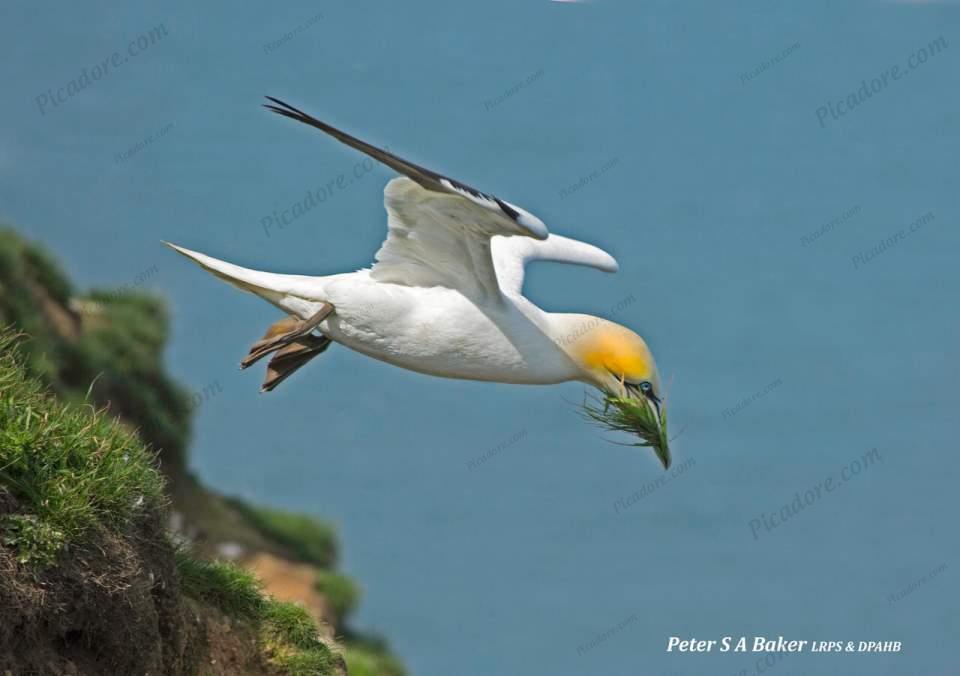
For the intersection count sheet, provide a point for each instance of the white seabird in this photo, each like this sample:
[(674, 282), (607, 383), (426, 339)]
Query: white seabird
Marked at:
[(444, 296)]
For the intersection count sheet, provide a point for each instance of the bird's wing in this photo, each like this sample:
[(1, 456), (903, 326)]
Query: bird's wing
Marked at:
[(439, 229), (511, 254)]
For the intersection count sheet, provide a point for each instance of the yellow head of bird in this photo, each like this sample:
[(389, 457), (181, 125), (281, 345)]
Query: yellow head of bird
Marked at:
[(616, 360), (612, 357)]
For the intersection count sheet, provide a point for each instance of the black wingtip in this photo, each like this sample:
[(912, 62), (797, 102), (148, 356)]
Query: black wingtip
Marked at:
[(299, 117), (274, 100), (282, 106), (276, 105), (507, 209)]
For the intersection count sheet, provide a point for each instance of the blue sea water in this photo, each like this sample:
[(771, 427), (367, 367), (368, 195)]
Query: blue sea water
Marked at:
[(716, 149)]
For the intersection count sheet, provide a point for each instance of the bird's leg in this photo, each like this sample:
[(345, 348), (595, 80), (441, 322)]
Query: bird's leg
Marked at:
[(291, 357), (283, 333)]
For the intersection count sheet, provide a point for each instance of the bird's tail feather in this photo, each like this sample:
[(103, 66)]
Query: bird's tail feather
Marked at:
[(272, 287)]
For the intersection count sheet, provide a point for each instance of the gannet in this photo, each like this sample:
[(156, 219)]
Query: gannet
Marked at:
[(445, 294)]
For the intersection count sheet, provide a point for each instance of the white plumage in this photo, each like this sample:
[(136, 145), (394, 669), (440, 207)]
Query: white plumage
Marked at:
[(444, 296)]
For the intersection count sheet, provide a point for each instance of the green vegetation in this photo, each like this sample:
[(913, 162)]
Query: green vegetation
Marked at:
[(69, 469), (626, 414), (84, 559), (120, 353), (287, 634), (230, 588), (86, 410), (308, 539), (112, 357), (341, 592), (363, 660), (23, 266), (74, 476)]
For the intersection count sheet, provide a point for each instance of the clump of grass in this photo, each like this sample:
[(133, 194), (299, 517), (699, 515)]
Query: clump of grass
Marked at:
[(288, 635), (291, 636), (69, 469), (308, 539), (365, 661), (37, 542), (232, 589), (312, 662), (289, 623), (341, 592), (625, 414)]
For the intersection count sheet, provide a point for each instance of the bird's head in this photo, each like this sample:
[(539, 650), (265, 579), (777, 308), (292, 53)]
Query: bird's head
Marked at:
[(617, 361)]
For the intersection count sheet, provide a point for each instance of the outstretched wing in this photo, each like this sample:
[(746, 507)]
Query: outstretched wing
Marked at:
[(439, 229), (437, 239), (511, 254)]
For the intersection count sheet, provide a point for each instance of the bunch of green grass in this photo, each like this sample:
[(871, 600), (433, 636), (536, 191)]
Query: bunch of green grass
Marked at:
[(341, 592), (364, 662), (626, 414), (369, 655), (69, 469), (288, 634), (235, 591)]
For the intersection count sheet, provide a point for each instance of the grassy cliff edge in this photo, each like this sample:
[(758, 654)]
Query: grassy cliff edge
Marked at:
[(93, 465)]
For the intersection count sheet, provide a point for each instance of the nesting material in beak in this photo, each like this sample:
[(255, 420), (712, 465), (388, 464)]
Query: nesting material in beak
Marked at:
[(641, 416)]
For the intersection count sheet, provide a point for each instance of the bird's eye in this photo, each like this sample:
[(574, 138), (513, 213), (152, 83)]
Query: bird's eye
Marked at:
[(645, 386)]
